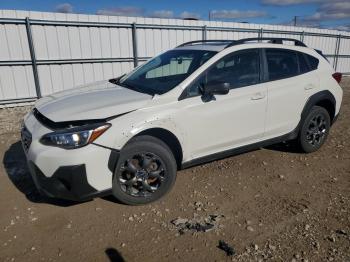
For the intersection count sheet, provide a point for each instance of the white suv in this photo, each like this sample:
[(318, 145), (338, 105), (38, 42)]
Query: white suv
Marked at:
[(201, 101)]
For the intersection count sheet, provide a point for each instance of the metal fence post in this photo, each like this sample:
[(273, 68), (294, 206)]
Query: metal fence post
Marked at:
[(204, 33), (260, 33), (33, 57), (336, 55), (134, 45)]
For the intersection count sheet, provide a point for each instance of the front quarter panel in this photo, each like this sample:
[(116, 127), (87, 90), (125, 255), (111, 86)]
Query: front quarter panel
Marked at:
[(129, 125)]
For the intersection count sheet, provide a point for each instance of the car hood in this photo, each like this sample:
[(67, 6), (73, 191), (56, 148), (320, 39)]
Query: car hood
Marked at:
[(97, 100)]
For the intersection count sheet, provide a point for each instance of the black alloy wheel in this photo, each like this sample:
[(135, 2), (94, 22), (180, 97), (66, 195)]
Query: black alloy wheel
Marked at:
[(142, 175), (314, 130), (145, 172)]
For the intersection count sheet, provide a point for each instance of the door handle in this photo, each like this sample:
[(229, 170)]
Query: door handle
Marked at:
[(308, 87), (258, 96)]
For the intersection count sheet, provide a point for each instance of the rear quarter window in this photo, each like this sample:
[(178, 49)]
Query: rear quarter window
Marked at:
[(307, 62), (313, 62), (303, 63)]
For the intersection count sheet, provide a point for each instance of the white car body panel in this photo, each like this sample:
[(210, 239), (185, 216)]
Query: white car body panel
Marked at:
[(94, 101), (286, 99), (329, 83), (232, 120)]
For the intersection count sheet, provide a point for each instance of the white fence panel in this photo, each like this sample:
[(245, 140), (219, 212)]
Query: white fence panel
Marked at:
[(74, 54)]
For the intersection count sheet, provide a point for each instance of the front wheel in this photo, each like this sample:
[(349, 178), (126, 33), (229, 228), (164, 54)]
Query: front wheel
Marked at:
[(145, 172), (314, 130)]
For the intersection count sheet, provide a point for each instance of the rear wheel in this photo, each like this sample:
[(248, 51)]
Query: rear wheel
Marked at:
[(314, 130), (145, 172)]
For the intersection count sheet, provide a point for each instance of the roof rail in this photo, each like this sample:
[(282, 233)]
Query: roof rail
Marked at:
[(273, 40), (229, 43), (207, 41)]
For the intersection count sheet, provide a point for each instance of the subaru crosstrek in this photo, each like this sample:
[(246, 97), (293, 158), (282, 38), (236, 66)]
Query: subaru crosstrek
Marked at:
[(201, 101)]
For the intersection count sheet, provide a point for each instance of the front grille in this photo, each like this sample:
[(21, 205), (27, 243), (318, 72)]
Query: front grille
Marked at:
[(26, 138)]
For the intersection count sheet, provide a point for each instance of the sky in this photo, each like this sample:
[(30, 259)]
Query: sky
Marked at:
[(333, 14)]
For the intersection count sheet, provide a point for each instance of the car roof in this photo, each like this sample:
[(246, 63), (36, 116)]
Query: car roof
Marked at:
[(219, 45)]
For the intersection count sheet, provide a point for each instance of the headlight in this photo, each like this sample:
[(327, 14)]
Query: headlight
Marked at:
[(75, 137)]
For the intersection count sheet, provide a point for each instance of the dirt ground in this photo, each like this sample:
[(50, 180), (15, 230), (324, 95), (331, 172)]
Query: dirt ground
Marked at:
[(273, 204)]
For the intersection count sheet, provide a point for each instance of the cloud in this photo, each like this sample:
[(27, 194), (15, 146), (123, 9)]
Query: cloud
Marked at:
[(64, 8), (338, 9), (326, 11), (335, 6), (236, 14), (302, 23), (186, 15), (136, 11), (122, 11), (340, 27), (162, 14), (290, 2)]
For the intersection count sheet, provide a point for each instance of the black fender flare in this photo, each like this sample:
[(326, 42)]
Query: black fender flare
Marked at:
[(315, 98), (312, 101)]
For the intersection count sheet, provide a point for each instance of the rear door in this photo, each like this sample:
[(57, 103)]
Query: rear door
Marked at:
[(289, 84)]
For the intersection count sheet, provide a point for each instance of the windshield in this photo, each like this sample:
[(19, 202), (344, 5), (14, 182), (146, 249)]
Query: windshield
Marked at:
[(164, 72)]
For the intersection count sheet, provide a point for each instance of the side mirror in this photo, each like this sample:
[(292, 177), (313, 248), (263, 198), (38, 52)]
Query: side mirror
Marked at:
[(216, 88)]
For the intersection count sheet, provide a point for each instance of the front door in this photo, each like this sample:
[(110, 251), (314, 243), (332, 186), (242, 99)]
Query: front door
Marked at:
[(226, 121)]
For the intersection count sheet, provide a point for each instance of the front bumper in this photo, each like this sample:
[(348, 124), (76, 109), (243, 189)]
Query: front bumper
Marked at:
[(68, 182), (76, 174)]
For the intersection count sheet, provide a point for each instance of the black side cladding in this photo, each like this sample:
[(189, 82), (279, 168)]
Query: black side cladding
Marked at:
[(113, 160)]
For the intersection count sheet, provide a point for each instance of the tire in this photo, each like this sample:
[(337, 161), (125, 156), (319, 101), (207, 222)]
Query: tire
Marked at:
[(314, 129), (145, 172)]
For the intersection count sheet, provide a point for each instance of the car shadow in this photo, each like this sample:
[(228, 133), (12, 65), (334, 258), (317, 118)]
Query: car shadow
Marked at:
[(15, 164), (111, 198), (114, 255), (287, 147)]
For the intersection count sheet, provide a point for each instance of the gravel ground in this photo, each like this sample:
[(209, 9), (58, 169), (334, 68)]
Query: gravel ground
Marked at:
[(271, 204)]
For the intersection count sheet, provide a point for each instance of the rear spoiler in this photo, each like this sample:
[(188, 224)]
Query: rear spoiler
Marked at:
[(320, 52)]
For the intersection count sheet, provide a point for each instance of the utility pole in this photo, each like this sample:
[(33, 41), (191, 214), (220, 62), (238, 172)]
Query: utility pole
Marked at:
[(209, 15), (295, 20)]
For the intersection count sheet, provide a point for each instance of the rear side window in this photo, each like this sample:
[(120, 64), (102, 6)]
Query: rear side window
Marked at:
[(281, 63)]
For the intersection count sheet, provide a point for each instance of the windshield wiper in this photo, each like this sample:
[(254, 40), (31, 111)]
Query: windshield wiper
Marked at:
[(116, 81), (135, 88)]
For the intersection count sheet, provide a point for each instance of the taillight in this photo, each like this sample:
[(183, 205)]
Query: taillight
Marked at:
[(337, 76)]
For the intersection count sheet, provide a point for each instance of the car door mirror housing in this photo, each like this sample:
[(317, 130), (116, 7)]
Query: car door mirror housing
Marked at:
[(216, 88)]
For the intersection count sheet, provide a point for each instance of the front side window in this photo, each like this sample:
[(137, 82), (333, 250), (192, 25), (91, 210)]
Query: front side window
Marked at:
[(281, 63), (239, 69), (164, 72)]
